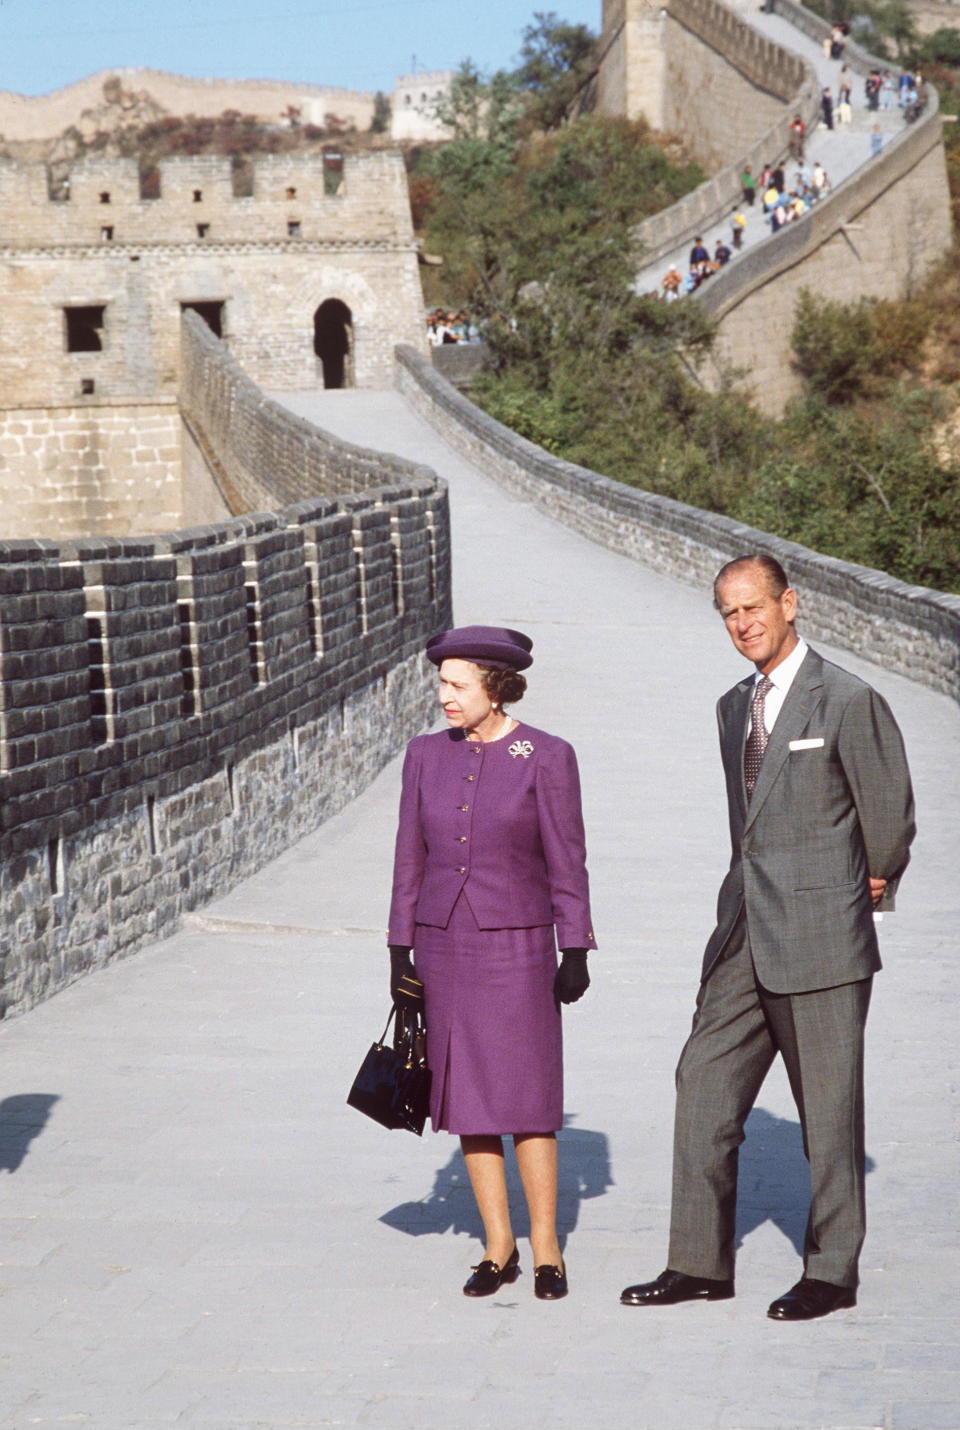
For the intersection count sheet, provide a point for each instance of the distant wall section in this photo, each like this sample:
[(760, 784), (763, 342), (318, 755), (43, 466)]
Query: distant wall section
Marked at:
[(694, 68), (26, 117)]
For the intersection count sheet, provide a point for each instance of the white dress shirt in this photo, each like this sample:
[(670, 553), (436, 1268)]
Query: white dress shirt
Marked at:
[(782, 679)]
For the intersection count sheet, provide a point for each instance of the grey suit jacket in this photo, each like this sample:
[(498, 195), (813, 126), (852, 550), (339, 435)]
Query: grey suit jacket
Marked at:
[(823, 818)]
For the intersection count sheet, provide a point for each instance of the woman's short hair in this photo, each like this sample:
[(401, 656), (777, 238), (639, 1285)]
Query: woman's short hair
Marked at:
[(505, 687)]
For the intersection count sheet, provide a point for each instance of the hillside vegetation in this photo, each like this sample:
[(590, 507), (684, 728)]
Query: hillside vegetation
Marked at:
[(532, 209)]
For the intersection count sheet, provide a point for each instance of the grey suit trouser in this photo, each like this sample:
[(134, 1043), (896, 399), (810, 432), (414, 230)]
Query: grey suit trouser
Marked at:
[(738, 1029)]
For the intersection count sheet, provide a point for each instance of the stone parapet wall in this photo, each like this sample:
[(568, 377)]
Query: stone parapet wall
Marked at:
[(176, 709), (102, 468), (260, 452), (907, 629)]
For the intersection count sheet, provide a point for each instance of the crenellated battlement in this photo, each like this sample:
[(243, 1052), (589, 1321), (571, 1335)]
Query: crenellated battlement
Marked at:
[(291, 196), (176, 709)]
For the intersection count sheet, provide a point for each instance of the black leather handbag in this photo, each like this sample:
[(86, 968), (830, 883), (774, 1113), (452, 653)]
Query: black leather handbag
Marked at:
[(393, 1084)]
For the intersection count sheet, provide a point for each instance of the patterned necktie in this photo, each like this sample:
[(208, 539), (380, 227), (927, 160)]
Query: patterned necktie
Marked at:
[(757, 739)]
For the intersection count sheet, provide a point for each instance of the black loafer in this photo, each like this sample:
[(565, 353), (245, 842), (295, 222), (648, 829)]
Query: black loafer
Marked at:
[(672, 1287), (488, 1276), (550, 1282), (810, 1299)]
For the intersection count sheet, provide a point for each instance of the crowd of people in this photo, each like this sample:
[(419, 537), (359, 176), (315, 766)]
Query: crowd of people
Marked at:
[(701, 267), (780, 205), (447, 326), (783, 204)]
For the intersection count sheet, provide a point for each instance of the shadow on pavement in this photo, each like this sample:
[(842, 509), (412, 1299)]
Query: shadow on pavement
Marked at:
[(774, 1181), (22, 1118), (449, 1206)]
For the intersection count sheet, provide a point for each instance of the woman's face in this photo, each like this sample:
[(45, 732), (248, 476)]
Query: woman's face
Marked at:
[(465, 702)]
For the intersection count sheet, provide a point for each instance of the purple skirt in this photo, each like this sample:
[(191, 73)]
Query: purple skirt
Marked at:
[(494, 1035)]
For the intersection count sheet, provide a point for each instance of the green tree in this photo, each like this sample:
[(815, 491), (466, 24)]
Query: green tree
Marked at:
[(881, 20), (481, 108), (557, 61), (942, 47)]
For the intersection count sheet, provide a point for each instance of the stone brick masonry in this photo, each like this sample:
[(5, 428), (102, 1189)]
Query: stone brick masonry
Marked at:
[(105, 468), (269, 260), (174, 710)]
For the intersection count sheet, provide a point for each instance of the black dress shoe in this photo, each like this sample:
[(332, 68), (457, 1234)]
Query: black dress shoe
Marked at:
[(488, 1277), (810, 1299), (550, 1282), (673, 1286)]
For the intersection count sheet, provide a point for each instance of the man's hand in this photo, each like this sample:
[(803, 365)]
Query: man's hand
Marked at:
[(877, 887)]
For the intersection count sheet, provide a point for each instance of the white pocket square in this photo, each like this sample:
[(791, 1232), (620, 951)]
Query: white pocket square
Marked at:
[(806, 744)]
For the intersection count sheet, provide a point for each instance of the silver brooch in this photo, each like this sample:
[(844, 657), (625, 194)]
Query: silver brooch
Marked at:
[(521, 747)]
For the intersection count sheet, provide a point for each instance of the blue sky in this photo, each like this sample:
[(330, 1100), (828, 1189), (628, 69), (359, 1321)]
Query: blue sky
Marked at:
[(359, 44)]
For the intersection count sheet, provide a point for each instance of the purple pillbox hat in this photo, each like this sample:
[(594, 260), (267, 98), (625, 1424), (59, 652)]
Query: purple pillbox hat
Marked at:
[(494, 646)]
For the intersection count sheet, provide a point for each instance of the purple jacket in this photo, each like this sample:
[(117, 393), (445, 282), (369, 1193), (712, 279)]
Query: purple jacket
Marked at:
[(501, 820)]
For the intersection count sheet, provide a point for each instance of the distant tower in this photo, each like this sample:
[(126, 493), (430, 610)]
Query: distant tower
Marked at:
[(412, 108), (632, 69)]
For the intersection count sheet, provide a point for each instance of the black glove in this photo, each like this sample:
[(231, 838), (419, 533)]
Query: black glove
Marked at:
[(572, 979), (401, 966)]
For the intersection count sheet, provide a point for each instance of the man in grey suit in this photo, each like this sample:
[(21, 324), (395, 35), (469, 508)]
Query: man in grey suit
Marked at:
[(821, 820)]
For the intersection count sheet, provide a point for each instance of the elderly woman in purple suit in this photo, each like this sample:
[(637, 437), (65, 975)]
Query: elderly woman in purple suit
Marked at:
[(489, 879)]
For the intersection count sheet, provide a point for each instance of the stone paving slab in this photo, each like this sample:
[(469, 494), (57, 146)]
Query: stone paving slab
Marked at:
[(195, 1231)]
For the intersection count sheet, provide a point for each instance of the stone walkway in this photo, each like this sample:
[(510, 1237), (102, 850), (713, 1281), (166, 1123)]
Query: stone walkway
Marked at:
[(841, 151), (197, 1232)]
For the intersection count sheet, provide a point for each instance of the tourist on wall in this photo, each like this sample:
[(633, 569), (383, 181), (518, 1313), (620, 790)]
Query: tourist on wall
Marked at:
[(738, 223), (826, 107), (748, 186), (503, 800), (845, 85), (670, 283), (876, 141), (722, 254), (798, 133), (871, 88), (698, 254)]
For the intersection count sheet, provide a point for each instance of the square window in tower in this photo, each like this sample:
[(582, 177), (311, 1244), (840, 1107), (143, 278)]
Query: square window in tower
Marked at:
[(83, 329)]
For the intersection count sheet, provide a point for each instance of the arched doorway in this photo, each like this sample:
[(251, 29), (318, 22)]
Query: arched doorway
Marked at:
[(333, 342)]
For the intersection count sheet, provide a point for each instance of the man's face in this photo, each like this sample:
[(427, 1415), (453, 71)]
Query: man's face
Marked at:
[(760, 624)]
